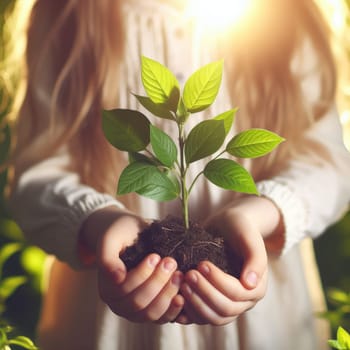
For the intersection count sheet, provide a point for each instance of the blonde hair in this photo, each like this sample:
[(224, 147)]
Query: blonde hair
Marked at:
[(72, 58), (266, 86)]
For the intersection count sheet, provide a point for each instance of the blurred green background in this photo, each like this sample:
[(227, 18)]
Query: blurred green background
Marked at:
[(21, 266), (20, 301)]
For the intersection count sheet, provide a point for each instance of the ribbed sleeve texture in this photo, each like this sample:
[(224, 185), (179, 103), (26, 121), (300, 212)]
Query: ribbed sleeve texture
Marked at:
[(292, 208), (50, 206)]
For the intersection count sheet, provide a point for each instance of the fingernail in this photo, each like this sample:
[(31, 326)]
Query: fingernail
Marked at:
[(176, 280), (154, 260), (192, 277), (169, 265), (204, 269), (252, 279)]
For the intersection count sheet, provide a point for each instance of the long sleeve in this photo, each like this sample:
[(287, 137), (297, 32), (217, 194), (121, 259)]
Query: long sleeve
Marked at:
[(313, 193), (50, 205), (48, 202)]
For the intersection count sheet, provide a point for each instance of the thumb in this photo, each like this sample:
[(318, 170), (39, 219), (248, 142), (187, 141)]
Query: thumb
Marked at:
[(108, 259), (255, 259)]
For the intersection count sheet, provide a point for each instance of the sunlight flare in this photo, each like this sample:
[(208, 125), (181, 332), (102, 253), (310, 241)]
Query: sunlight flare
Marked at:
[(336, 12), (218, 15)]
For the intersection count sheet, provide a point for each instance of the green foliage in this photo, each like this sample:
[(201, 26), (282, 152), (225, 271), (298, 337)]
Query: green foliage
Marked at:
[(7, 339), (160, 84), (253, 143), (163, 147), (343, 340), (126, 130), (17, 284), (8, 286), (339, 312), (202, 87), (333, 257), (204, 140), (229, 175), (147, 180), (228, 118), (159, 172)]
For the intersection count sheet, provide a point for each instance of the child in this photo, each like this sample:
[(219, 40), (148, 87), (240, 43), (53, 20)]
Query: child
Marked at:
[(84, 55)]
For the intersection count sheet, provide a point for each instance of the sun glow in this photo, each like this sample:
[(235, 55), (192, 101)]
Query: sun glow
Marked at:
[(338, 14), (218, 15)]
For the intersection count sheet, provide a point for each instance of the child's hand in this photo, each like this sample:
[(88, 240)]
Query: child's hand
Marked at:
[(214, 297), (148, 292)]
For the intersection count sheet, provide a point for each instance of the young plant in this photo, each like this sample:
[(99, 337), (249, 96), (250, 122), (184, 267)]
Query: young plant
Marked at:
[(159, 165)]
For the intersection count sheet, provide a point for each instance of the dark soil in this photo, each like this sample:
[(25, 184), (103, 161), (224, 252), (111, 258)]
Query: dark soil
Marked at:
[(169, 238)]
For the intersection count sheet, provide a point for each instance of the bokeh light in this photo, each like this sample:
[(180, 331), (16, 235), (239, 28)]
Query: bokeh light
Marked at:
[(337, 12), (218, 15)]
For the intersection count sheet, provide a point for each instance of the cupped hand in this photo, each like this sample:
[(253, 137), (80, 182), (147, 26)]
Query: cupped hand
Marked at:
[(147, 293), (214, 297)]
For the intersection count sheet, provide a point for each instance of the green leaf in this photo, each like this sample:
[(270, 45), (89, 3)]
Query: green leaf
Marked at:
[(24, 342), (146, 180), (163, 147), (202, 87), (160, 83), (172, 177), (139, 157), (182, 112), (204, 139), (229, 175), (11, 231), (338, 296), (7, 251), (228, 118), (3, 338), (33, 260), (134, 177), (334, 344), (125, 129), (160, 190), (158, 110), (343, 337), (253, 143), (8, 285)]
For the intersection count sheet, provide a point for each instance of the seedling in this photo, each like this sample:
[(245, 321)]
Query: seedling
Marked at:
[(158, 164)]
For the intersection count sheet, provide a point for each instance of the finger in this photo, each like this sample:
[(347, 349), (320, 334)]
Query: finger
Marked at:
[(244, 238), (174, 310), (217, 301), (171, 301), (110, 287), (200, 312), (137, 276), (143, 295), (183, 319), (108, 258), (191, 315), (255, 259), (122, 232), (228, 285)]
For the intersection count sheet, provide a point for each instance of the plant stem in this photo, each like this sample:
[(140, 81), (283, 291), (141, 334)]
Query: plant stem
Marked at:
[(194, 181), (199, 174), (184, 192)]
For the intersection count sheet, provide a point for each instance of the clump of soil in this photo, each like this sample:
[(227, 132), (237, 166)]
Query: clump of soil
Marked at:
[(169, 238)]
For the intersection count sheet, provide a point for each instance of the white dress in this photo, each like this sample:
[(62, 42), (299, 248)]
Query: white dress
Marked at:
[(50, 204)]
